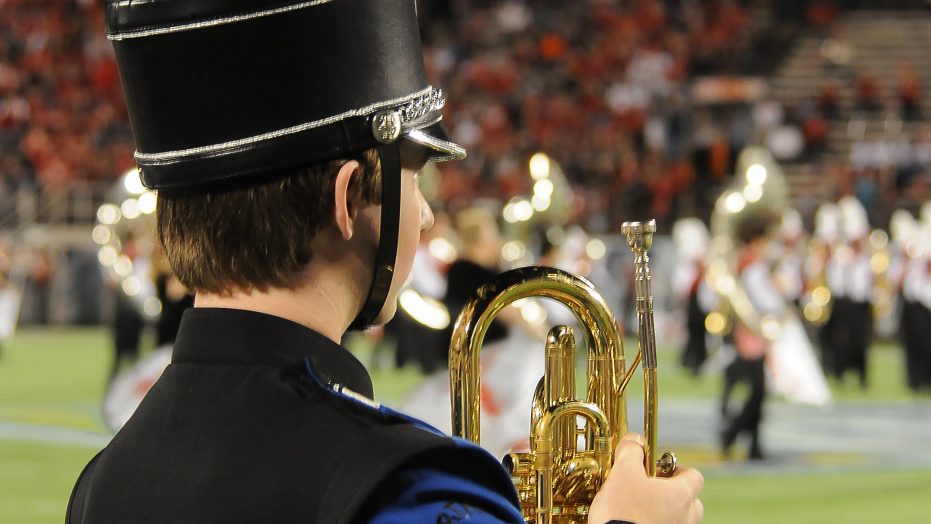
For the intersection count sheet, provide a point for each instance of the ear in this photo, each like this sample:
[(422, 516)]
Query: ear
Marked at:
[(344, 211)]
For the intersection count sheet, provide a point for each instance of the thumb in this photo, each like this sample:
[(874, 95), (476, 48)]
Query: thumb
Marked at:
[(630, 455)]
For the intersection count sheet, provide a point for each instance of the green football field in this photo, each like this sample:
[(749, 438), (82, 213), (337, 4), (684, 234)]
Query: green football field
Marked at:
[(51, 381)]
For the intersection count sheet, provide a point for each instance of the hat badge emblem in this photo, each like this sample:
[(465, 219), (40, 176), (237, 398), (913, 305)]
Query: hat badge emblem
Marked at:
[(386, 126)]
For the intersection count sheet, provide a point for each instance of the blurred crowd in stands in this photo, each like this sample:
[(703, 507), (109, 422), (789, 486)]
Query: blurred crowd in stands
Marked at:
[(888, 166), (601, 86), (598, 85), (62, 116)]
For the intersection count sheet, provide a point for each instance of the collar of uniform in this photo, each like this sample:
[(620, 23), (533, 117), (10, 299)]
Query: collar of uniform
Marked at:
[(236, 336)]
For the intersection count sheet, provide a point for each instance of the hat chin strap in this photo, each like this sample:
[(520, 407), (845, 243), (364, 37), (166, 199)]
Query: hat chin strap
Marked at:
[(385, 256)]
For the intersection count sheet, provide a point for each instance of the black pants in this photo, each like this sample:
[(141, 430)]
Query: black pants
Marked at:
[(846, 337), (695, 351), (127, 334), (830, 353), (916, 339), (748, 419), (853, 336)]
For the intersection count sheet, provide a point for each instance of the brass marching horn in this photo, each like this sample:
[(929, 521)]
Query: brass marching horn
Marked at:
[(558, 478)]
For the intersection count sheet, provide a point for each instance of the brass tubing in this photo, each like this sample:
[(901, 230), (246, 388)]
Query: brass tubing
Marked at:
[(543, 433), (606, 352), (640, 239), (649, 422), (630, 372), (559, 382), (567, 434)]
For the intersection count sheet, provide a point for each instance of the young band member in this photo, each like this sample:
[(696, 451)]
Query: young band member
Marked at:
[(284, 138)]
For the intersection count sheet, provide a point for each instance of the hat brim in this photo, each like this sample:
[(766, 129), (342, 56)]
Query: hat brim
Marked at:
[(436, 140)]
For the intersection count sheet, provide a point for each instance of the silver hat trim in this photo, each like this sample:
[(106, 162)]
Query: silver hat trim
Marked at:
[(140, 33), (429, 97)]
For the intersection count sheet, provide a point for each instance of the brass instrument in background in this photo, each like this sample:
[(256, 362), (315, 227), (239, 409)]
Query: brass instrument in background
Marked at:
[(758, 190), (558, 478)]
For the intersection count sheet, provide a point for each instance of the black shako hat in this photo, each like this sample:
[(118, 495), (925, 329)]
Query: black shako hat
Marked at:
[(226, 89), (223, 88)]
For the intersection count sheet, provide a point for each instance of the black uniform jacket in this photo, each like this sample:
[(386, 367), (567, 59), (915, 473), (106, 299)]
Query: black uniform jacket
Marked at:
[(249, 424)]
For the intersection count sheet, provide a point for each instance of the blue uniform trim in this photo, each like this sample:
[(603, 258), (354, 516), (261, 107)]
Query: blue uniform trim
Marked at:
[(411, 420), (435, 496)]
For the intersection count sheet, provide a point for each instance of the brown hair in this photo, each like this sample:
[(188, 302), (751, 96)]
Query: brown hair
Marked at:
[(753, 226), (257, 236)]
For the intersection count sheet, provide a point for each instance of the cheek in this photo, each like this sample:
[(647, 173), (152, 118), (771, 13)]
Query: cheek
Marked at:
[(409, 234)]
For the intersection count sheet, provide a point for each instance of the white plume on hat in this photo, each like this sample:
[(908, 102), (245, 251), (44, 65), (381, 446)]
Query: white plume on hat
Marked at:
[(853, 215), (791, 226), (828, 222), (903, 227)]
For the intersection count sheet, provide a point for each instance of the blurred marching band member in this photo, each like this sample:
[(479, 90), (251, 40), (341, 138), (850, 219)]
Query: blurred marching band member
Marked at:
[(478, 262), (690, 236), (913, 276), (850, 280), (790, 266), (826, 238), (128, 321), (792, 363), (757, 279)]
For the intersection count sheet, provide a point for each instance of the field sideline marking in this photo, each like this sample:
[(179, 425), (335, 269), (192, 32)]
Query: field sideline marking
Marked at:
[(39, 434)]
